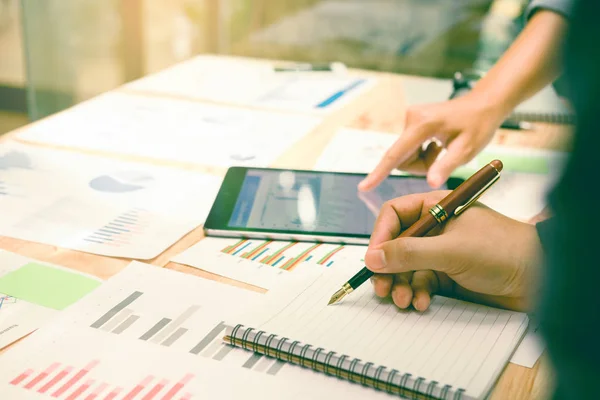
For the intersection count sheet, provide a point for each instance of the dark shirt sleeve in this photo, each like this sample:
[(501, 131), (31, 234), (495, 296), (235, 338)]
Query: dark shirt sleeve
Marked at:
[(569, 308)]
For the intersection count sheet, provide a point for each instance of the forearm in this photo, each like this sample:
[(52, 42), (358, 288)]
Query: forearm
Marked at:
[(531, 63)]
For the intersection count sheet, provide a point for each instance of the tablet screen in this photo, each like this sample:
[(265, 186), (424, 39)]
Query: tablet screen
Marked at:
[(314, 201)]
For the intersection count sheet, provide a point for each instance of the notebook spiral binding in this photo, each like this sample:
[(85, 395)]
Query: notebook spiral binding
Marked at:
[(557, 118), (358, 372)]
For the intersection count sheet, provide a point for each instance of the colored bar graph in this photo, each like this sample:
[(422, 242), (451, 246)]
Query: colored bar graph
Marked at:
[(113, 394), (257, 250), (54, 381), (235, 253), (278, 261), (99, 389), (276, 255), (21, 377), (295, 261), (328, 256), (154, 391), (231, 249), (41, 376), (76, 378), (80, 390), (177, 387), (260, 254), (139, 387)]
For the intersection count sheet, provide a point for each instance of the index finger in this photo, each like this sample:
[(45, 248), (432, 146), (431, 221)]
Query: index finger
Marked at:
[(400, 213), (401, 150)]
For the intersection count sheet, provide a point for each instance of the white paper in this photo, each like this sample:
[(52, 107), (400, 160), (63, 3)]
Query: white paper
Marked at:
[(174, 130), (98, 205), (19, 318), (265, 263), (531, 348), (354, 150), (113, 331), (240, 81)]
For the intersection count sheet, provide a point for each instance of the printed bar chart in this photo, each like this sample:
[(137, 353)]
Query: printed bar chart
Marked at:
[(73, 388)]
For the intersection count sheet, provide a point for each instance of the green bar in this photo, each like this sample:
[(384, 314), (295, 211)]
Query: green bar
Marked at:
[(517, 163), (305, 252), (47, 286)]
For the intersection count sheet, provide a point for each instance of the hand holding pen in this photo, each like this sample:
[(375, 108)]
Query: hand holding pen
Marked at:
[(480, 255)]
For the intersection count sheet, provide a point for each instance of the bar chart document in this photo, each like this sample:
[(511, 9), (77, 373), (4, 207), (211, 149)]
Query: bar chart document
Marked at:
[(32, 292), (265, 263), (174, 130), (98, 205), (241, 81), (151, 333)]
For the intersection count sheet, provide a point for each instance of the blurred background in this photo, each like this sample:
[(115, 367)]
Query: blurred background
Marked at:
[(56, 53)]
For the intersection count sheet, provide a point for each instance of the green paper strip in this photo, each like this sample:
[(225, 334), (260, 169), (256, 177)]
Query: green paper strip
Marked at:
[(47, 286)]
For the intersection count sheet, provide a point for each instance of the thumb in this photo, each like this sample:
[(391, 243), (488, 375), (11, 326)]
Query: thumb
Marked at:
[(458, 153), (409, 254)]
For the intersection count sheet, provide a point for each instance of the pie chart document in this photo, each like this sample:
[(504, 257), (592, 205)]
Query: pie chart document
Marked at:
[(174, 130), (99, 205)]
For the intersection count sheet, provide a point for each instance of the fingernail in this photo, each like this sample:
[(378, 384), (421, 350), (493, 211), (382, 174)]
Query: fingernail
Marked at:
[(376, 259)]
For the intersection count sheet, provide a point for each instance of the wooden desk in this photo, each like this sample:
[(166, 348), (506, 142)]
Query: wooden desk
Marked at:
[(382, 108)]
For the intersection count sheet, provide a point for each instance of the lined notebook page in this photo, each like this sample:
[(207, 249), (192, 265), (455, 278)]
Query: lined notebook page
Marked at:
[(454, 342)]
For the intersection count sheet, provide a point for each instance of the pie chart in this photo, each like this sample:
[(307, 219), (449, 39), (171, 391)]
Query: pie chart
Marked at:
[(121, 182)]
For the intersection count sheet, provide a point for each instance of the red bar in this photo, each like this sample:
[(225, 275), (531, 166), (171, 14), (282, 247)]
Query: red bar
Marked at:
[(157, 388), (21, 377), (177, 387), (81, 389), (66, 371), (140, 386), (76, 378), (41, 376), (97, 391), (113, 394), (187, 396)]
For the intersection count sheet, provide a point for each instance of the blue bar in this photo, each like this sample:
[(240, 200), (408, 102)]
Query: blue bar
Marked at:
[(241, 248), (277, 262), (329, 263), (126, 219), (93, 241), (309, 257), (102, 234), (336, 96), (116, 229), (108, 231), (259, 254)]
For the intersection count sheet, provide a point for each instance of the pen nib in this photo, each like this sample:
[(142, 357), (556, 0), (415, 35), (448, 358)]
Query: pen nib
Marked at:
[(337, 296)]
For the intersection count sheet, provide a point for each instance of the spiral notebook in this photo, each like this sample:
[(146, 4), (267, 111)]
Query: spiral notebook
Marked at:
[(455, 350)]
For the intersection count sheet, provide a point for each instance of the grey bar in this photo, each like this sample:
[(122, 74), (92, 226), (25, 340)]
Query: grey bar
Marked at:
[(264, 364), (113, 311), (173, 338), (120, 317), (223, 352), (275, 368), (212, 349), (175, 324), (212, 335), (128, 322), (154, 330), (251, 362)]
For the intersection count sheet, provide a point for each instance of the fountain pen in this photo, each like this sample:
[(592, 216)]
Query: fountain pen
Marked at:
[(454, 204)]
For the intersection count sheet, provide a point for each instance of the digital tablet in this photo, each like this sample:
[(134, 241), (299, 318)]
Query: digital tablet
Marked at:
[(304, 205)]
